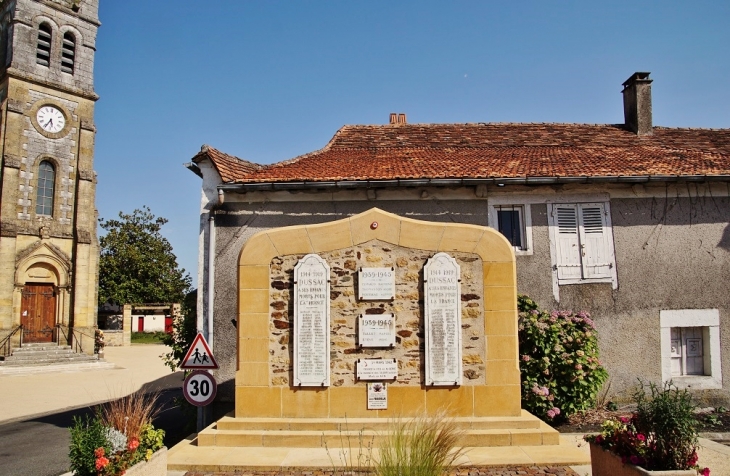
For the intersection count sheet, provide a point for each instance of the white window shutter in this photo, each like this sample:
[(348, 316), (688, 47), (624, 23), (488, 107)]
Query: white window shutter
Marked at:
[(594, 236), (568, 243)]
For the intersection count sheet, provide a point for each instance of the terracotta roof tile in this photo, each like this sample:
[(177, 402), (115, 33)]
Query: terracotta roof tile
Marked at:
[(431, 151), (229, 167)]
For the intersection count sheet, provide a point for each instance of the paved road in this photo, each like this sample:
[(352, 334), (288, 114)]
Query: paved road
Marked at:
[(37, 444)]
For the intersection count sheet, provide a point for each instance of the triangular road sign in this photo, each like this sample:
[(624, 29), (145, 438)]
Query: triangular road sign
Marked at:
[(199, 355)]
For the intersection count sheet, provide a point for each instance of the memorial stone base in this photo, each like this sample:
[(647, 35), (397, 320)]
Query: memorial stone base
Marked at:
[(523, 430)]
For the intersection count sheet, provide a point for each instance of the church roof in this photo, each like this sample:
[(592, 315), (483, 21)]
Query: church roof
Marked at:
[(494, 151)]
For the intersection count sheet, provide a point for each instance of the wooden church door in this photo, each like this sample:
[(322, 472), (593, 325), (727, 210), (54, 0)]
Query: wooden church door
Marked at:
[(38, 312)]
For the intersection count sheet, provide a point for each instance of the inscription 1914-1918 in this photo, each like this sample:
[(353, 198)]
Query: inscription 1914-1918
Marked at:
[(442, 320), (311, 322)]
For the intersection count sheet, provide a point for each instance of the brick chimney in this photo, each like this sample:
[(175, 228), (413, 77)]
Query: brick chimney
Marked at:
[(637, 104), (396, 118)]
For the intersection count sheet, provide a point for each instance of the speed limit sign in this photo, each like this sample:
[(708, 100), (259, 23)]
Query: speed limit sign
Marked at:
[(199, 388)]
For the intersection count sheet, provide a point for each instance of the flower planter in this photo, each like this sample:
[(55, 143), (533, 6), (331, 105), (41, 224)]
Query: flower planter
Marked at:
[(605, 463), (156, 466)]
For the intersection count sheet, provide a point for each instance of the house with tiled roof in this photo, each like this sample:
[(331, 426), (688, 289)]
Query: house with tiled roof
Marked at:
[(630, 222)]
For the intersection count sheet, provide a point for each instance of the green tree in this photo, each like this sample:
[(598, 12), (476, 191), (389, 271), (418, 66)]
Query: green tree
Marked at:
[(184, 330), (137, 264)]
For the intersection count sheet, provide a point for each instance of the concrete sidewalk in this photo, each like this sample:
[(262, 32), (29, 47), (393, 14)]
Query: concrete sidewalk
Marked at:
[(37, 394)]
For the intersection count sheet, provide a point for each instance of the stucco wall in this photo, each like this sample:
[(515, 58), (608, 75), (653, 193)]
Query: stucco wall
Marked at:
[(671, 253)]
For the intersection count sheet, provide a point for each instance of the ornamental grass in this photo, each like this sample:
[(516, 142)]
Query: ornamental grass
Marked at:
[(129, 414), (422, 446)]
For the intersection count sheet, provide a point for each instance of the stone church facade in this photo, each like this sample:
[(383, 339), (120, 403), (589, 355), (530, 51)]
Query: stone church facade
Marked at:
[(48, 245)]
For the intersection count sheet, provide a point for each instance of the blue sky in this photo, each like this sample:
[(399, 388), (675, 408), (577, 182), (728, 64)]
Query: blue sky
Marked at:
[(270, 80)]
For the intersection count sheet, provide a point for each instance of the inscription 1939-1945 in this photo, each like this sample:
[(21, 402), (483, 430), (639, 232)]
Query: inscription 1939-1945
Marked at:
[(377, 284), (311, 322)]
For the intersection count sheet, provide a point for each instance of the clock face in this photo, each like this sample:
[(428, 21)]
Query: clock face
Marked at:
[(50, 119)]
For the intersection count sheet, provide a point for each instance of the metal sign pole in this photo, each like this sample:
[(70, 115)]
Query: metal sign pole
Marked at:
[(201, 420)]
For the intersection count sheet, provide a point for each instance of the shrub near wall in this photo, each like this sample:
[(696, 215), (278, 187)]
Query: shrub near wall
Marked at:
[(560, 370)]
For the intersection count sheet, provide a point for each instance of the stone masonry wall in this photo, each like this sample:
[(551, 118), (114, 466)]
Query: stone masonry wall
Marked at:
[(407, 309)]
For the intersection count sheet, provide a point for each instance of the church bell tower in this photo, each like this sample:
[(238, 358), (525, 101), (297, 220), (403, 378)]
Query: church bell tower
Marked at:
[(48, 245)]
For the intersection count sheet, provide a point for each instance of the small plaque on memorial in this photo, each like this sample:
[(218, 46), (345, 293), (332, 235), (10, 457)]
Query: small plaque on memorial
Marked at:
[(312, 322), (442, 303), (377, 369), (376, 330), (377, 396), (376, 284)]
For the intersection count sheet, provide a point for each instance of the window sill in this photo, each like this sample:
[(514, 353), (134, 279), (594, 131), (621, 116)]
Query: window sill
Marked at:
[(697, 382), (562, 282)]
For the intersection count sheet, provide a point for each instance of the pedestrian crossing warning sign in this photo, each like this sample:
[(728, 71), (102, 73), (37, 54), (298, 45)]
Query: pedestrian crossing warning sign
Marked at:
[(199, 356)]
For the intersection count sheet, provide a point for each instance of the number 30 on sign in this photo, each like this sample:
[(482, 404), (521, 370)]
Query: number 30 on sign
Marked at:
[(199, 388)]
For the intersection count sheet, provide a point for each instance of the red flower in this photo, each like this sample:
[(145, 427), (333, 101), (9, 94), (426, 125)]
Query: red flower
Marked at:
[(101, 462), (705, 471), (133, 444), (640, 437), (599, 439), (693, 459), (99, 452)]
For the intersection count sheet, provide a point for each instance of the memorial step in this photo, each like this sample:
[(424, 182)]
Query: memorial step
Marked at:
[(380, 424), (364, 438), (336, 432)]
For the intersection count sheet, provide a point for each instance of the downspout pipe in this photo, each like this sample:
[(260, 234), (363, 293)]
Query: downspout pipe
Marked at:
[(211, 265), (204, 414)]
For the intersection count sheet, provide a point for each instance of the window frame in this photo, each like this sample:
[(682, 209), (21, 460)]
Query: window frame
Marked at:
[(709, 321), (607, 232), (38, 44), (65, 58), (38, 188), (525, 216)]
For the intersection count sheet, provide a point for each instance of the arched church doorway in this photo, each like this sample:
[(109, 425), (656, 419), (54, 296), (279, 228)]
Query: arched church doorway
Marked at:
[(38, 312)]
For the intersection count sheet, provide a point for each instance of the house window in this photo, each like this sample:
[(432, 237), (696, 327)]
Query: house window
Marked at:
[(43, 49), (510, 224), (513, 221), (46, 177), (68, 52), (687, 351), (690, 347), (581, 241)]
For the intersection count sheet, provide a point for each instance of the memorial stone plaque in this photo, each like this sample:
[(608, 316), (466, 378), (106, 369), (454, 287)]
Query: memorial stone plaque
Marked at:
[(377, 369), (377, 396), (376, 284), (311, 322), (376, 330), (442, 289)]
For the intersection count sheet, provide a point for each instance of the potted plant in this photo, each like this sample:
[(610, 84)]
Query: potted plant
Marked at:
[(119, 439), (660, 436), (99, 343)]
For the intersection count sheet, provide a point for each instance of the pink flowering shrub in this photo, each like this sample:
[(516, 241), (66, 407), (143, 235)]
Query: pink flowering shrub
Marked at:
[(559, 365), (660, 435)]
